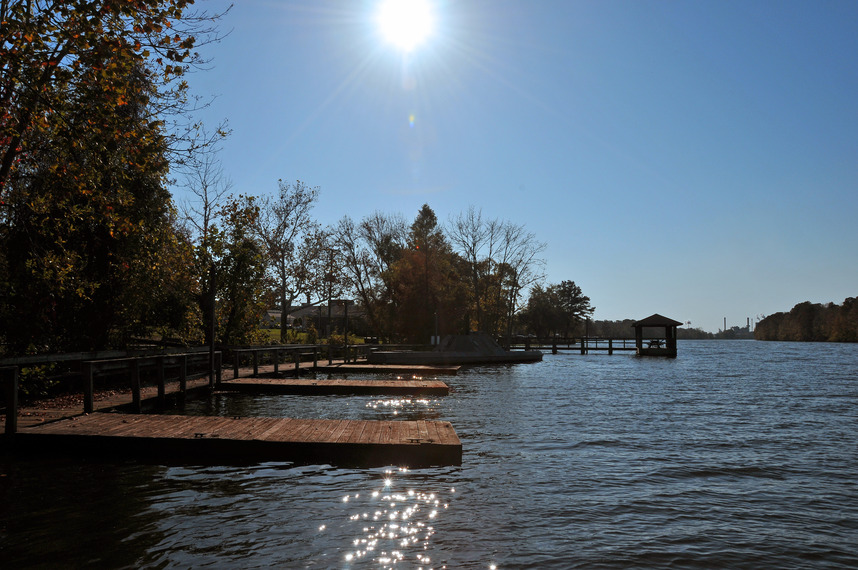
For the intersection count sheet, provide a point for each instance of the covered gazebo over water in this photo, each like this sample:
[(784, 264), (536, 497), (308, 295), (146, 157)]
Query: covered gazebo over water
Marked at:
[(656, 346)]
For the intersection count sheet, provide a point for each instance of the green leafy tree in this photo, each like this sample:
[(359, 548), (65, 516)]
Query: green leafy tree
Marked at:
[(574, 306), (556, 309), (239, 272), (81, 217), (541, 314)]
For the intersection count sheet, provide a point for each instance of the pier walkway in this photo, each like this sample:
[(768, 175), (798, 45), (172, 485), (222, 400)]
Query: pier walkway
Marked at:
[(221, 440), (62, 426)]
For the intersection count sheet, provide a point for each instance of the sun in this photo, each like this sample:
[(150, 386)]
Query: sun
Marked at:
[(405, 23)]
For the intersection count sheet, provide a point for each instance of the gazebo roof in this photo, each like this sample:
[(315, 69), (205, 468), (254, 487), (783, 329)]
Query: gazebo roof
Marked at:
[(657, 320)]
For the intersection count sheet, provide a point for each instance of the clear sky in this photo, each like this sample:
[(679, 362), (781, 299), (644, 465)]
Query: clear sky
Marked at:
[(697, 159)]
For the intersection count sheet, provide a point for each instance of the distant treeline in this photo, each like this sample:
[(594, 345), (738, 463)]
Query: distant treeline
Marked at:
[(812, 322)]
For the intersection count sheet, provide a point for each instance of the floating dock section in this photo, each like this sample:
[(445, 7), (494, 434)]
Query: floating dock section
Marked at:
[(210, 440), (309, 387)]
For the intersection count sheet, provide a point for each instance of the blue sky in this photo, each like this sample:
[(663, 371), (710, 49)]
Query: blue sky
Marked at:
[(698, 159)]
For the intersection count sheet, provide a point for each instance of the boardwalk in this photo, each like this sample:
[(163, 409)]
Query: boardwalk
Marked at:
[(418, 369), (219, 440), (302, 386)]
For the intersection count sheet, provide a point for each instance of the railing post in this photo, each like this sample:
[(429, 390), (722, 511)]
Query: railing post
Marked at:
[(162, 389), (315, 357), (183, 373), (236, 356), (255, 363), (86, 371), (296, 354), (276, 353), (330, 353), (135, 385), (218, 367), (10, 377), (583, 345), (211, 364)]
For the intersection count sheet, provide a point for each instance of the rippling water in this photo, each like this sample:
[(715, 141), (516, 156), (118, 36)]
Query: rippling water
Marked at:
[(735, 454)]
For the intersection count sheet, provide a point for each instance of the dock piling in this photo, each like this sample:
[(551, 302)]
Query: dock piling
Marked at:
[(9, 377), (162, 390), (88, 390), (135, 386)]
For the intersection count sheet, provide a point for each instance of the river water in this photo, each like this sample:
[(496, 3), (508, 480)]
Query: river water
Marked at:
[(735, 454)]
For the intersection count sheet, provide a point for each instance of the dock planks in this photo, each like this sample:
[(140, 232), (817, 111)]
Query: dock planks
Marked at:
[(305, 386), (427, 369), (219, 440)]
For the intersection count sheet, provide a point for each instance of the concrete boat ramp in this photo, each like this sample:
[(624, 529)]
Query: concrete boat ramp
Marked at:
[(222, 440)]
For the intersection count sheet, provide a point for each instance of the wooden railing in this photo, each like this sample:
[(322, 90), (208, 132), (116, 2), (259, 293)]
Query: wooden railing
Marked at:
[(257, 356), (178, 366), (582, 344), (274, 355), (186, 366)]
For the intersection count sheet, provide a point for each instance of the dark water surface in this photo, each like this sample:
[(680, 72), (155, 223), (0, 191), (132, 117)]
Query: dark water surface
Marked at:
[(735, 454)]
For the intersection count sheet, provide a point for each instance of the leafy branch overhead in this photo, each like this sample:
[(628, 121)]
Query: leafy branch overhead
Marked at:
[(55, 50)]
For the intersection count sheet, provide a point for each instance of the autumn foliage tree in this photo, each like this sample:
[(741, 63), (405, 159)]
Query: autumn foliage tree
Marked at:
[(89, 251)]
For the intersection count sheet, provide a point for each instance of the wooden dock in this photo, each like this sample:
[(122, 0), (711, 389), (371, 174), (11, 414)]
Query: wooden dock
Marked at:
[(413, 369), (305, 386), (221, 440)]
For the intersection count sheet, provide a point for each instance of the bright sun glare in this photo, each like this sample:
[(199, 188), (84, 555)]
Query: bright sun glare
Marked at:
[(405, 23)]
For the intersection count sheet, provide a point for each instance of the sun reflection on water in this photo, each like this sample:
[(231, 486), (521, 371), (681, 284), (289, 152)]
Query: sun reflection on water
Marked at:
[(396, 524), (402, 405)]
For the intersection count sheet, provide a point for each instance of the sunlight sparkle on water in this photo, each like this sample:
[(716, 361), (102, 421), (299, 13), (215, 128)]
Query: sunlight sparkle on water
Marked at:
[(399, 522)]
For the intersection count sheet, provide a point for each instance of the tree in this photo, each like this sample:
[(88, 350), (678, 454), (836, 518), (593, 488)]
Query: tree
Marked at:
[(428, 285), (574, 305), (209, 187), (476, 240), (541, 315), (502, 259), (519, 265), (81, 216), (292, 240), (90, 251), (240, 271), (52, 48), (367, 253), (555, 309), (812, 322)]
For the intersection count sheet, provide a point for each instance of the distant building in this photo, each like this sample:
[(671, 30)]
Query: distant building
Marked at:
[(300, 317)]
